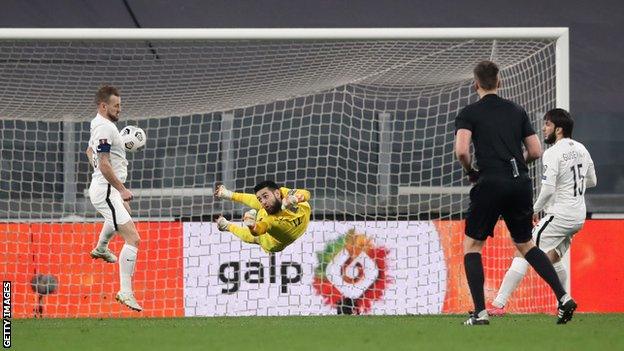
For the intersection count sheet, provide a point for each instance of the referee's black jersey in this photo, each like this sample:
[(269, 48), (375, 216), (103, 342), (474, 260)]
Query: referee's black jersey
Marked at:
[(498, 128)]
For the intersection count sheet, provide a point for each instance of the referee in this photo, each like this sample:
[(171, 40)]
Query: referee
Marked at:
[(502, 186)]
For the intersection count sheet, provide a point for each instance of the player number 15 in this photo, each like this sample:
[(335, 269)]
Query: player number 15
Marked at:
[(576, 173)]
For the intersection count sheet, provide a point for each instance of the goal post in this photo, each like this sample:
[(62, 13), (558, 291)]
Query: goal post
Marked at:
[(361, 117)]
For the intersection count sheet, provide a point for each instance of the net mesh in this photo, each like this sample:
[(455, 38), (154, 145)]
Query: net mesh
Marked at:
[(366, 125)]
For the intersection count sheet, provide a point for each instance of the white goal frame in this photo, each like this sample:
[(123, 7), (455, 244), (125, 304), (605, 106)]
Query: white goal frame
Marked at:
[(559, 34)]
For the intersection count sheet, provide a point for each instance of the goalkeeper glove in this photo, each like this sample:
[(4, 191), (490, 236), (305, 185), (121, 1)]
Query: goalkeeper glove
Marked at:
[(249, 218), (221, 192), (222, 224), (291, 200)]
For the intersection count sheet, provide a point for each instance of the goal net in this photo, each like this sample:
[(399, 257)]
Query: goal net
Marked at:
[(363, 119)]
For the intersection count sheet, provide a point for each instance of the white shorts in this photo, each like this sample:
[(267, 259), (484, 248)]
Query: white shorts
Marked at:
[(552, 233), (107, 201)]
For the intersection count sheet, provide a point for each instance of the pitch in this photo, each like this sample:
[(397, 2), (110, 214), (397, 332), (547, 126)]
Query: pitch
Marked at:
[(514, 332)]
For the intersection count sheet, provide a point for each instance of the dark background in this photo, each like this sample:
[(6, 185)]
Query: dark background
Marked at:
[(596, 45)]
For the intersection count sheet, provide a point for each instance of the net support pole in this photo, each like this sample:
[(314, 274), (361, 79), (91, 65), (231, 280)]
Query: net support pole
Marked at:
[(227, 153), (69, 166), (385, 157), (562, 59)]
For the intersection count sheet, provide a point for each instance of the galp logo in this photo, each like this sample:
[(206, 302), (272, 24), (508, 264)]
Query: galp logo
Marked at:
[(352, 273)]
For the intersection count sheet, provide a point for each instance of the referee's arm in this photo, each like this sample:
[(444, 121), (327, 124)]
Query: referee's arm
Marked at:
[(462, 148), (533, 148)]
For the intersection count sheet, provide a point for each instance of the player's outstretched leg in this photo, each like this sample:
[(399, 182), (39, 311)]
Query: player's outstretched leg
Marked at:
[(496, 311), (127, 298), (106, 254), (101, 251), (127, 262), (514, 275), (542, 265)]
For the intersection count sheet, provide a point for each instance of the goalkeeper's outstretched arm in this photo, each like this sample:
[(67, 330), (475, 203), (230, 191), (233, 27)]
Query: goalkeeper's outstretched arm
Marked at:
[(306, 194), (242, 233), (266, 241), (292, 197), (250, 200), (302, 195)]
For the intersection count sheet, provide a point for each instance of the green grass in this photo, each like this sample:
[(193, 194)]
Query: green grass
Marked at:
[(519, 332)]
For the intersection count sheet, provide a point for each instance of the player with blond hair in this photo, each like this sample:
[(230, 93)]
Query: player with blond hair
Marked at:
[(108, 193)]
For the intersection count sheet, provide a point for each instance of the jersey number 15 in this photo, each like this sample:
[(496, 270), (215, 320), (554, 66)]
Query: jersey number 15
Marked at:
[(579, 179)]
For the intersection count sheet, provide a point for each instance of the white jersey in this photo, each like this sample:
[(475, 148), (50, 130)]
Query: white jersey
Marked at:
[(570, 169), (106, 138)]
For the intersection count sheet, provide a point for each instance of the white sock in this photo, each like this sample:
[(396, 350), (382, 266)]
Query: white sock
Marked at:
[(563, 276), (561, 273), (127, 260), (513, 277), (108, 230)]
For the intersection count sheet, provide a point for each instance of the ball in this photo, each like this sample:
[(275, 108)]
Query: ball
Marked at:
[(133, 138), (44, 284)]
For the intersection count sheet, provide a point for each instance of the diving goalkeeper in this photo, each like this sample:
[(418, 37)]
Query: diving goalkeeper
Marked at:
[(278, 217)]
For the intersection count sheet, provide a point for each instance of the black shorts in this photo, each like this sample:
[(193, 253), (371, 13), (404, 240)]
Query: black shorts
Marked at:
[(496, 196)]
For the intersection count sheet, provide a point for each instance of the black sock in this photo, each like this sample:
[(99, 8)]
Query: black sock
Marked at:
[(476, 279), (540, 262)]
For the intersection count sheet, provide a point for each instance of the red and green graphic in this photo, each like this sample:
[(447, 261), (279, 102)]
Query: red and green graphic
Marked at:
[(351, 274)]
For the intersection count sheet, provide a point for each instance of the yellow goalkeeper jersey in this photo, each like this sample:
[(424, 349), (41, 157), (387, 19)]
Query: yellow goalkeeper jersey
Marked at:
[(279, 230)]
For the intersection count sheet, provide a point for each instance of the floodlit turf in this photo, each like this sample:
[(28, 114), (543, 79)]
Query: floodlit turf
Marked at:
[(519, 332)]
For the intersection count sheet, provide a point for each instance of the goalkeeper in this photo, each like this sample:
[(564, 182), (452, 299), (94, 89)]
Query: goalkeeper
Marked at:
[(278, 217)]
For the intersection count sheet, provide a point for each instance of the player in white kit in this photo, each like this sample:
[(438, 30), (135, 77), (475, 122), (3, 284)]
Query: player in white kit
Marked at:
[(568, 171), (108, 194)]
